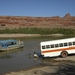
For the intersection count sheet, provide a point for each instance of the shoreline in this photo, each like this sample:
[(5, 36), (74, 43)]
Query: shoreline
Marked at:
[(26, 35), (50, 67)]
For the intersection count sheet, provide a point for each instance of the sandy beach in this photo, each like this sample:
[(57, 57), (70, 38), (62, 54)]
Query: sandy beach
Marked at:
[(26, 35), (18, 35)]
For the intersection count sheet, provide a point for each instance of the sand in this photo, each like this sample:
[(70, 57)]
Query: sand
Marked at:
[(18, 35), (26, 35)]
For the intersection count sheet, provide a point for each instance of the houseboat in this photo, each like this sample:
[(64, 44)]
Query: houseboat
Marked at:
[(6, 45)]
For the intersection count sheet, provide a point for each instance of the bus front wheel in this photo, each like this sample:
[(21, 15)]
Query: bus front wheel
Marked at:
[(64, 54)]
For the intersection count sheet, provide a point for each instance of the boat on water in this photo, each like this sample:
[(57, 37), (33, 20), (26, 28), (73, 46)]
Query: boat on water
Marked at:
[(6, 45)]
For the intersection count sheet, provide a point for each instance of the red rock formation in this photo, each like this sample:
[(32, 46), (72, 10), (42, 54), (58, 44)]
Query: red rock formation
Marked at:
[(67, 15), (52, 22)]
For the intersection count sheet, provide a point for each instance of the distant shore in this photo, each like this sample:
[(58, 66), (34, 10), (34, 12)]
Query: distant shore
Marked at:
[(25, 35)]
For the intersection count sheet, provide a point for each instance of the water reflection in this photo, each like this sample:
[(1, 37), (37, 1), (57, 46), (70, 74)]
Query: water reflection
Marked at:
[(9, 54)]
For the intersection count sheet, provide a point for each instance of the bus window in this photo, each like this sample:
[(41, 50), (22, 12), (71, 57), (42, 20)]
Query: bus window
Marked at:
[(73, 43), (70, 43), (56, 45), (52, 46), (47, 46), (61, 44), (65, 44), (43, 47)]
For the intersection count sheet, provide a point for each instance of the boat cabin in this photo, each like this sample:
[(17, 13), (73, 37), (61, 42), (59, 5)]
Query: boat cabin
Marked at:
[(10, 44)]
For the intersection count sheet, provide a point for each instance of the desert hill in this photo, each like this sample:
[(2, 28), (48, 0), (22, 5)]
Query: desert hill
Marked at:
[(67, 21)]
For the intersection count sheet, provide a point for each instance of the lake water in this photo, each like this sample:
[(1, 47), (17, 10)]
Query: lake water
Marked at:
[(19, 59)]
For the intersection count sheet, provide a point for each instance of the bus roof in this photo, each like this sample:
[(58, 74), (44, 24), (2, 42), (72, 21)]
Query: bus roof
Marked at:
[(57, 41)]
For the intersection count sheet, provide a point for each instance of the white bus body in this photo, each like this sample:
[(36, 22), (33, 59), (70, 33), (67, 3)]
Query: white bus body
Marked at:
[(59, 47)]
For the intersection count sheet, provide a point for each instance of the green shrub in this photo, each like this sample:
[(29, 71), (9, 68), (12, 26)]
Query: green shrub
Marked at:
[(38, 31)]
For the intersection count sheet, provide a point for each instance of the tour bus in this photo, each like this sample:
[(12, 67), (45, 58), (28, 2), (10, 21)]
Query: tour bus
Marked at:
[(61, 47)]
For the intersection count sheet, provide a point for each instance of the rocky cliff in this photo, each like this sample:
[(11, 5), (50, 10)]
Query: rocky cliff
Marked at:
[(67, 21)]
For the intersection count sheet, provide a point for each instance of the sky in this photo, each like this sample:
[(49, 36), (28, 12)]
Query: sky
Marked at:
[(37, 8)]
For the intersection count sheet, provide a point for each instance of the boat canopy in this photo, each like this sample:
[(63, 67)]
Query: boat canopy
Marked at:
[(6, 41)]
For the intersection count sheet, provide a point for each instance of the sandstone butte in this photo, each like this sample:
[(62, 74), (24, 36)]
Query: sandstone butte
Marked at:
[(67, 21)]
